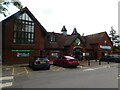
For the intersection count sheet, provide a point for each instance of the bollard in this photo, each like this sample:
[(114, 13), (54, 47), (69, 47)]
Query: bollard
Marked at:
[(108, 61), (99, 62), (88, 62), (96, 59)]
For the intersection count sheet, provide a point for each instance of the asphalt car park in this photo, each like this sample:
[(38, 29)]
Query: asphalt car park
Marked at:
[(25, 69), (21, 69)]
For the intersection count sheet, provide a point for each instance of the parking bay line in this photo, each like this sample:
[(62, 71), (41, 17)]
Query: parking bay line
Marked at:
[(13, 71), (26, 70)]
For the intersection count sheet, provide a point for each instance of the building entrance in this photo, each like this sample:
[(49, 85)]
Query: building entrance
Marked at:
[(77, 52)]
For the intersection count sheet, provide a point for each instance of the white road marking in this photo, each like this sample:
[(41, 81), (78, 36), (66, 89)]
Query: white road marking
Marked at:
[(118, 77), (90, 69), (2, 85), (6, 84), (6, 78)]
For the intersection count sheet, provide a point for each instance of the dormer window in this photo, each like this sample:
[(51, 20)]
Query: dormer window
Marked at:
[(52, 39)]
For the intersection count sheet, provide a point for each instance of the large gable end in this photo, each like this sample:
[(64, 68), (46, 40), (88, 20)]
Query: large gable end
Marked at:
[(25, 14)]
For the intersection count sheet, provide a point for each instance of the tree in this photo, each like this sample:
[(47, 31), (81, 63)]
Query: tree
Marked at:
[(114, 38), (5, 4)]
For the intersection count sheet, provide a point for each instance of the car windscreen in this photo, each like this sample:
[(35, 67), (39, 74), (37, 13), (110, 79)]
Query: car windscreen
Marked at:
[(68, 57)]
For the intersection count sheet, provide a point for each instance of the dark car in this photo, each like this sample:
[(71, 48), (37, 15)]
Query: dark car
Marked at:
[(39, 62), (66, 61), (111, 58)]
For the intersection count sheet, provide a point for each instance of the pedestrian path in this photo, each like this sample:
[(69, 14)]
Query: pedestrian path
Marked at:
[(6, 81)]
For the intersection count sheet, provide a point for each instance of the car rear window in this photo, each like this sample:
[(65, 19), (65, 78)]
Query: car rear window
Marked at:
[(40, 57), (68, 57)]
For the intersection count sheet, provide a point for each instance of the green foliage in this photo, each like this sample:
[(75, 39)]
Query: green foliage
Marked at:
[(5, 4), (114, 38)]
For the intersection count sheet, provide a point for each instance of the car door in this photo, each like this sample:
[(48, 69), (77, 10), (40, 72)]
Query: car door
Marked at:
[(59, 61)]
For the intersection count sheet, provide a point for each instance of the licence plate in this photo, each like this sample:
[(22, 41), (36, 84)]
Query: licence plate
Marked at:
[(42, 62), (74, 61)]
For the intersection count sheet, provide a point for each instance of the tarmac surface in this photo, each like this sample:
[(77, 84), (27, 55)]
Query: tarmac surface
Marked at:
[(21, 69)]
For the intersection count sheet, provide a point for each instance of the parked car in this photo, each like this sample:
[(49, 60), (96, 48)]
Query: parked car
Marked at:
[(39, 62), (111, 58), (66, 61)]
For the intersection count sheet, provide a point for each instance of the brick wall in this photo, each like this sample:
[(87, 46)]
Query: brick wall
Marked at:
[(10, 57)]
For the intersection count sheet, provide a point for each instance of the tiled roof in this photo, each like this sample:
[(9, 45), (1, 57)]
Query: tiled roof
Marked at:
[(93, 39), (61, 40)]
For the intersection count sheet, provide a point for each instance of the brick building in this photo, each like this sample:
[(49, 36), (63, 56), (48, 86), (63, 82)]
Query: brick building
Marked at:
[(57, 44), (98, 45), (24, 37)]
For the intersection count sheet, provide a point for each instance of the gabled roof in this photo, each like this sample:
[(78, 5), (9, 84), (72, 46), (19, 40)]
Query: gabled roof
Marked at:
[(31, 16), (61, 40), (95, 39)]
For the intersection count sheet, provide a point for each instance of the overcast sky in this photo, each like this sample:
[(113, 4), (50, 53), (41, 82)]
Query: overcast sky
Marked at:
[(88, 16)]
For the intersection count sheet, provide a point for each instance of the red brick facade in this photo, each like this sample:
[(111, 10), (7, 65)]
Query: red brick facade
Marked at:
[(10, 56), (91, 45), (98, 45)]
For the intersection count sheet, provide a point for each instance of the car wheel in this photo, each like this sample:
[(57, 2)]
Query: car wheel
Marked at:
[(116, 60), (54, 63), (74, 66), (64, 65), (34, 69)]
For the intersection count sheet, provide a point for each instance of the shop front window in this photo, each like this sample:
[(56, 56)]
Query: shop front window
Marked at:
[(23, 30)]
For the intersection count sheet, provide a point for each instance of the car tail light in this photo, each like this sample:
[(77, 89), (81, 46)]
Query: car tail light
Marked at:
[(36, 62), (48, 61)]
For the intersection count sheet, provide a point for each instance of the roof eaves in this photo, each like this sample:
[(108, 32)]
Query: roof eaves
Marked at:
[(31, 15)]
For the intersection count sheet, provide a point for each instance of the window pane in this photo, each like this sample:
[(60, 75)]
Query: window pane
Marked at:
[(28, 35), (15, 35), (24, 16), (26, 28), (23, 30), (27, 17), (32, 36), (32, 29), (14, 40)]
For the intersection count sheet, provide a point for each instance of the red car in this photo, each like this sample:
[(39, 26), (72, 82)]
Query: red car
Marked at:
[(66, 61)]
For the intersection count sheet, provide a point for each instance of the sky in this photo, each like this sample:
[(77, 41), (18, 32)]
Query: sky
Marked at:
[(87, 16)]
